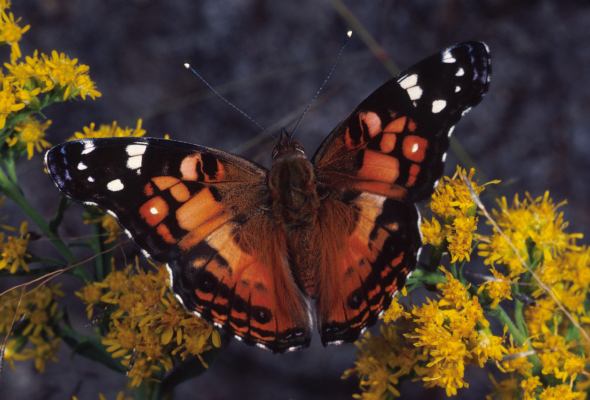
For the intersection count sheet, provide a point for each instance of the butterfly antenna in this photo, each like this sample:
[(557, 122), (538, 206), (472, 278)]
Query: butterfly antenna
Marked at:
[(324, 83), (226, 101)]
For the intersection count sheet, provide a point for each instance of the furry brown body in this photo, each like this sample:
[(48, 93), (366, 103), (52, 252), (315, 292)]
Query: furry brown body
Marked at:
[(295, 203)]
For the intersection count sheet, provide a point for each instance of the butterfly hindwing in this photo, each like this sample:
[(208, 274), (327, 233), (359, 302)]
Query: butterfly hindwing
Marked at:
[(387, 155), (198, 210), (372, 261)]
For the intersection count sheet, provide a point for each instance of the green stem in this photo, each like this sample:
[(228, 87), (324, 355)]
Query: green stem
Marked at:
[(519, 337), (14, 192), (425, 277), (98, 248), (519, 310)]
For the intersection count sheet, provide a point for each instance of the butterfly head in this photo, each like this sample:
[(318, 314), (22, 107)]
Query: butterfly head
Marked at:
[(287, 147)]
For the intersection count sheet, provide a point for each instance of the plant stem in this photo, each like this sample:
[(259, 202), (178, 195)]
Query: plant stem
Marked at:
[(519, 337), (14, 192)]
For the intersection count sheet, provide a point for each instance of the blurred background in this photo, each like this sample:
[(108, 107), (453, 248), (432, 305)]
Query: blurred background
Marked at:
[(269, 57)]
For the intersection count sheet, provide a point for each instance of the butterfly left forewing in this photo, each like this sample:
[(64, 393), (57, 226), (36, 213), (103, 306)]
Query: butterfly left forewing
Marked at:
[(376, 164), (201, 211)]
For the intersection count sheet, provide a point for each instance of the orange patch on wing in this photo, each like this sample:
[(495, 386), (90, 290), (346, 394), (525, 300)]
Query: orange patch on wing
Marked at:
[(165, 233), (220, 174), (154, 210), (199, 209), (395, 126), (180, 192), (414, 148), (379, 167), (412, 125), (382, 188), (387, 143), (148, 189), (164, 182), (397, 260), (413, 175), (372, 121), (348, 140), (196, 235)]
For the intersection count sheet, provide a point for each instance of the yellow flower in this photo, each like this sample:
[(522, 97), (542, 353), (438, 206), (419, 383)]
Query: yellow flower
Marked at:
[(42, 73), (529, 387), (556, 358), (461, 238), (148, 326), (36, 312), (108, 223), (529, 221), (394, 312), (13, 250), (488, 347), (8, 103), (69, 75), (11, 33), (432, 232), (497, 288), (31, 133), (517, 360), (106, 131), (452, 197), (561, 392)]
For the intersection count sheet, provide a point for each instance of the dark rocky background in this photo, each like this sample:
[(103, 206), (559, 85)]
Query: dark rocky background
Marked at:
[(269, 57)]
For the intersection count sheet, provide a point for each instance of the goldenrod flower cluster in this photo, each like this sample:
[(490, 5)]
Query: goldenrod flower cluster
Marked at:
[(14, 255), (535, 269), (455, 219), (27, 319), (31, 83), (148, 329), (433, 342), (106, 131)]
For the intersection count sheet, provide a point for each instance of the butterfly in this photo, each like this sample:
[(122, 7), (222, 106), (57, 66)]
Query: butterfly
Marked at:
[(265, 254)]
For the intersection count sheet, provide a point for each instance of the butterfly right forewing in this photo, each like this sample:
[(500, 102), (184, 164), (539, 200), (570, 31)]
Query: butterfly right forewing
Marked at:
[(387, 155)]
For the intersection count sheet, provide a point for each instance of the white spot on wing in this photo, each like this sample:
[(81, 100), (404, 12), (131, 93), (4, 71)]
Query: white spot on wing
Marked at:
[(444, 157), (457, 89), (90, 179), (438, 106), (448, 57), (81, 166), (135, 149), (408, 81), (89, 203), (88, 147), (115, 185), (146, 254), (134, 162), (153, 211), (415, 147), (460, 72), (415, 92), (466, 111)]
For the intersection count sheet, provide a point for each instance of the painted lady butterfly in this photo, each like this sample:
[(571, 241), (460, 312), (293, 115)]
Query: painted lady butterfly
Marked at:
[(249, 249)]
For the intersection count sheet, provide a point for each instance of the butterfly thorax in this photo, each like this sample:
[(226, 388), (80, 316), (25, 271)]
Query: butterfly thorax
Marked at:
[(292, 185)]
